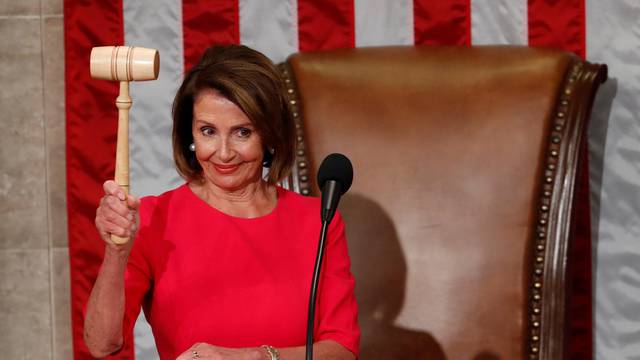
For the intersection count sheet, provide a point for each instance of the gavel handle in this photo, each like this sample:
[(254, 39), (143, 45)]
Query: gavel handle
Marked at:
[(123, 103)]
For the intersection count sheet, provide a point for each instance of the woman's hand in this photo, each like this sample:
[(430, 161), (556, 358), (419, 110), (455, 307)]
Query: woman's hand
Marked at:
[(117, 216), (206, 351)]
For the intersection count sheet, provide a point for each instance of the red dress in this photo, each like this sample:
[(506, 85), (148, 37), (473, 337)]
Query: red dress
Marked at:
[(205, 276)]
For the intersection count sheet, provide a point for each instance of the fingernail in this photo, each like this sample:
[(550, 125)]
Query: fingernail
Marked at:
[(130, 216), (121, 196)]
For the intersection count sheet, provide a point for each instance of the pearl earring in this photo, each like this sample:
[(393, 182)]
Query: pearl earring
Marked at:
[(192, 147)]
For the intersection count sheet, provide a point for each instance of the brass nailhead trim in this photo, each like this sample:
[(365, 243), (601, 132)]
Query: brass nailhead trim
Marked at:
[(555, 141), (301, 159)]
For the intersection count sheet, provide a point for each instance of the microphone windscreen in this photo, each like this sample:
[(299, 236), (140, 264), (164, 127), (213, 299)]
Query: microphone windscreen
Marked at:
[(336, 167)]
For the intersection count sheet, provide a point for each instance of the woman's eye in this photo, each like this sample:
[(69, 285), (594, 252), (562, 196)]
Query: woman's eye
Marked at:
[(206, 131), (244, 132)]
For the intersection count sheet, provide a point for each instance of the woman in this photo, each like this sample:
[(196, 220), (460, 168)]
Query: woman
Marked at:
[(222, 264)]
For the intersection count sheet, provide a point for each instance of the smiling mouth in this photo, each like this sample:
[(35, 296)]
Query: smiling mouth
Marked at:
[(226, 169)]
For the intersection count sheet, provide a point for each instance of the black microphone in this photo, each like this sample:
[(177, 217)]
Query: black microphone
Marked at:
[(334, 179)]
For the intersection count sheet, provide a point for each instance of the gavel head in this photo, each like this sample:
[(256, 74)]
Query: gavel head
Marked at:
[(124, 63)]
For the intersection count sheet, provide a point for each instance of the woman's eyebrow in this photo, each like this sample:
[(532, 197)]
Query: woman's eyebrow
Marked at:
[(203, 122), (246, 125)]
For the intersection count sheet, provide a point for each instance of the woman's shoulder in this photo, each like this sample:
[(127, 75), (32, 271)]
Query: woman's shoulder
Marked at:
[(303, 207), (302, 203), (151, 203), (292, 199)]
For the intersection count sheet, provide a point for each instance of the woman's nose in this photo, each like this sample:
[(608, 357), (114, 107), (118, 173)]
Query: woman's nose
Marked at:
[(225, 152)]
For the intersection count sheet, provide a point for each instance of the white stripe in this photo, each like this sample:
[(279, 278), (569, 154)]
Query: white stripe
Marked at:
[(270, 26), (613, 37), (499, 22), (154, 24), (382, 22)]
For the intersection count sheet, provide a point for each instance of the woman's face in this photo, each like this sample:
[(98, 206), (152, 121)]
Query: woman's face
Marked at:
[(228, 146)]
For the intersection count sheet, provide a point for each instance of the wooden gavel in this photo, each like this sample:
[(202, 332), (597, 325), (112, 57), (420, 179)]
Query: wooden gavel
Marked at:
[(124, 64)]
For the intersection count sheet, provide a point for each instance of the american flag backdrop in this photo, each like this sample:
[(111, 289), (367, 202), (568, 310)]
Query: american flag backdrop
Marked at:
[(604, 31)]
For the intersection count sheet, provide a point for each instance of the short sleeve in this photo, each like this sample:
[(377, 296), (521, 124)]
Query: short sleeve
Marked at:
[(337, 308)]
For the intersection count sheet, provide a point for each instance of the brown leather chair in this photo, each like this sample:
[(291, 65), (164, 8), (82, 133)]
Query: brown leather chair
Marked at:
[(460, 215)]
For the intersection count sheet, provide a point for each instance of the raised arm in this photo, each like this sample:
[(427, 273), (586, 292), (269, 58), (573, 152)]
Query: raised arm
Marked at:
[(117, 215)]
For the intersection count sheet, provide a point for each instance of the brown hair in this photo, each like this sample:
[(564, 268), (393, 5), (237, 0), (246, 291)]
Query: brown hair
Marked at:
[(251, 81)]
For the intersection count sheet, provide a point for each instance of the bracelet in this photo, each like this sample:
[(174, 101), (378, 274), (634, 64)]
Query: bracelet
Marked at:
[(275, 355)]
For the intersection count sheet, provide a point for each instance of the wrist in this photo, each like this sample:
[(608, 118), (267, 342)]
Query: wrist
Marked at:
[(115, 255), (259, 353)]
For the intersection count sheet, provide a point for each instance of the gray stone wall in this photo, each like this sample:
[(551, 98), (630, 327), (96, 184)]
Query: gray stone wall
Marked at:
[(35, 318)]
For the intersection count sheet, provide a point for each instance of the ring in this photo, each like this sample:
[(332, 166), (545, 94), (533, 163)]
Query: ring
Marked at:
[(195, 354)]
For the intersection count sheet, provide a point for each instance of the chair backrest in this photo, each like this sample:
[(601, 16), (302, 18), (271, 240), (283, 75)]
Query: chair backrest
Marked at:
[(465, 162)]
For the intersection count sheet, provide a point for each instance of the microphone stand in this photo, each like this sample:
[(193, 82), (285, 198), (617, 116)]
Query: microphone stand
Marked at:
[(330, 197), (314, 290)]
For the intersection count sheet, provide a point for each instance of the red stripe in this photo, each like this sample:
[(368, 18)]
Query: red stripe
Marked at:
[(446, 22), (558, 24), (91, 124), (324, 25), (205, 23), (561, 24)]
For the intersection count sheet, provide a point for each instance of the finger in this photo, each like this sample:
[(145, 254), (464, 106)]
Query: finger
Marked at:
[(185, 355), (133, 202), (133, 229), (117, 230), (189, 354), (104, 235), (111, 188), (116, 205), (106, 216), (120, 221), (123, 218)]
